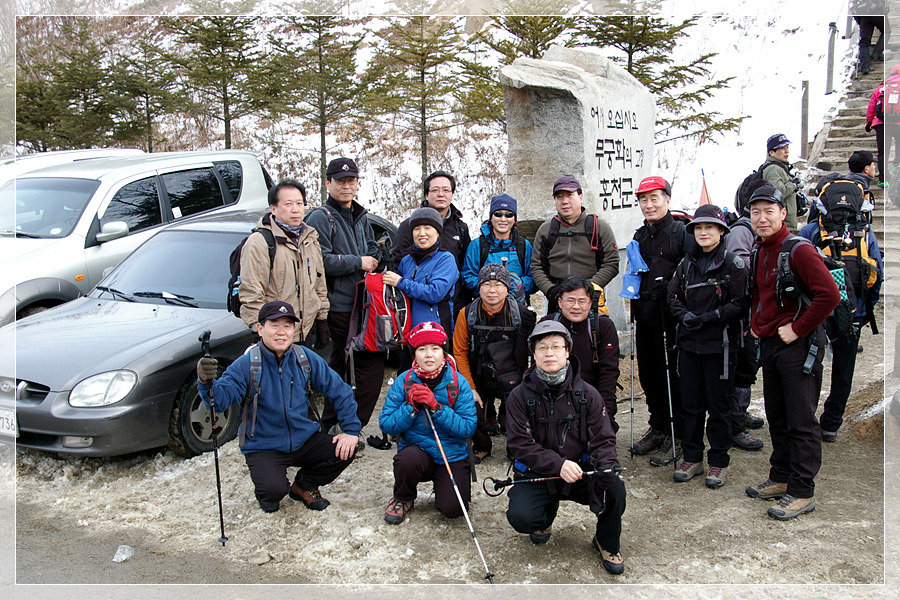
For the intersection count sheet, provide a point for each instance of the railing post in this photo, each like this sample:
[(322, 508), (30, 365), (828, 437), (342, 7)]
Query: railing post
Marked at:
[(804, 120), (829, 78)]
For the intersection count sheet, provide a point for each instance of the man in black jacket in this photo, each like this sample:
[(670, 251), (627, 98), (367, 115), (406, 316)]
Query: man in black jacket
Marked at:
[(348, 249), (663, 243), (439, 189), (595, 341)]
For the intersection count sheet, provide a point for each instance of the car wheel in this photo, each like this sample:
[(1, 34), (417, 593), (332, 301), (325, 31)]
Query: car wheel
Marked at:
[(31, 310), (190, 427)]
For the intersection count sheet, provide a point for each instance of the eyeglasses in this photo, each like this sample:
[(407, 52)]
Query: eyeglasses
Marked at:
[(492, 285), (545, 348), (447, 191), (579, 301), (502, 214)]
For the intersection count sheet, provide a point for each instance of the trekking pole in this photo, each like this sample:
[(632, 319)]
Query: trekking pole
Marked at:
[(662, 314), (204, 344), (488, 575), (631, 323), (496, 487)]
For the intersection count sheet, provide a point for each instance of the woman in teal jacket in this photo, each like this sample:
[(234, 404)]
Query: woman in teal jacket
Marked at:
[(433, 385)]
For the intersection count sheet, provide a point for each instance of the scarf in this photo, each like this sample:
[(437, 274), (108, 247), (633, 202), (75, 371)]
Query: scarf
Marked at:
[(553, 380), (292, 232), (420, 254), (430, 378)]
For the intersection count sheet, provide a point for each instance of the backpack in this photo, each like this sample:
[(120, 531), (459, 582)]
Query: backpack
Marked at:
[(380, 318), (890, 101), (840, 322), (233, 301), (746, 188), (496, 365), (591, 232), (251, 398), (593, 330), (843, 232)]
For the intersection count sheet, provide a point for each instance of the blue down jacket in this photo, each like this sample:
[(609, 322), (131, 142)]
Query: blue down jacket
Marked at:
[(454, 425), (282, 422), (502, 249), (429, 286)]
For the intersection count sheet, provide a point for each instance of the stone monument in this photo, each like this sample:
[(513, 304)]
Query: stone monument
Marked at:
[(575, 112)]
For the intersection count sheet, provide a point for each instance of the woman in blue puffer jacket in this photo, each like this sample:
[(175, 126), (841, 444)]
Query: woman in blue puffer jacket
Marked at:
[(504, 245), (433, 385), (427, 274)]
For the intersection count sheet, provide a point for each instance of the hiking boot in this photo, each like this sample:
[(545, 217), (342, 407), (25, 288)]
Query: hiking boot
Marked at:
[(877, 57), (686, 471), (613, 563), (268, 507), (791, 507), (540, 537), (753, 422), (745, 441), (767, 490), (397, 510), (311, 498), (480, 455), (663, 456), (650, 442), (829, 436), (715, 478)]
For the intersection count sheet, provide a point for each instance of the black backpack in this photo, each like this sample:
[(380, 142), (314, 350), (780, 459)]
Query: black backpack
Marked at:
[(233, 302), (749, 185), (591, 232)]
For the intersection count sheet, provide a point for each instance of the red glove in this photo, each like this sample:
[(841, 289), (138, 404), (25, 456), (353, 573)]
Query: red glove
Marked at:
[(421, 395)]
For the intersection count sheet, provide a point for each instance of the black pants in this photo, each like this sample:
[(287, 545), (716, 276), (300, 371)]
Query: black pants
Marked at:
[(843, 364), (318, 466), (651, 371), (703, 392), (533, 507), (369, 370), (412, 465), (481, 440), (791, 398), (867, 27)]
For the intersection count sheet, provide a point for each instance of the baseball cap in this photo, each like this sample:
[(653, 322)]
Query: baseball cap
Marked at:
[(768, 193), (779, 140), (342, 167), (275, 310), (566, 183), (654, 182)]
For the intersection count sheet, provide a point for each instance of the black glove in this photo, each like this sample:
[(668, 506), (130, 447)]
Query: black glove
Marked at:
[(711, 316), (606, 480), (323, 334), (207, 369), (868, 127), (552, 294), (692, 321), (658, 290)]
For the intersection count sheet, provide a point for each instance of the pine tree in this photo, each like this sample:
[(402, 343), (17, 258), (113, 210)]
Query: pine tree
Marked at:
[(316, 65), (412, 76), (224, 72), (646, 45)]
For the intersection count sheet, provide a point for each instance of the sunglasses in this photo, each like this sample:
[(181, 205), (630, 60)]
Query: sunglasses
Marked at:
[(504, 214)]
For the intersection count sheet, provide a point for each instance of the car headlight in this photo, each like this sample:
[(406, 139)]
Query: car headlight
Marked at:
[(102, 389)]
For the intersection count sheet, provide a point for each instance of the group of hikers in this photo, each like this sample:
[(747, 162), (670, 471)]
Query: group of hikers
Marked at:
[(712, 298)]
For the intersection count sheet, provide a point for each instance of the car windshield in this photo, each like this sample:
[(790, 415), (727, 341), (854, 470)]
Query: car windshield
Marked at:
[(178, 267), (46, 207)]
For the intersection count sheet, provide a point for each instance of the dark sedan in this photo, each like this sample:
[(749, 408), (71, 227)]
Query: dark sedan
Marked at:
[(114, 372)]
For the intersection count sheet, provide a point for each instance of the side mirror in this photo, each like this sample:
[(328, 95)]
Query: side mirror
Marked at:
[(112, 230)]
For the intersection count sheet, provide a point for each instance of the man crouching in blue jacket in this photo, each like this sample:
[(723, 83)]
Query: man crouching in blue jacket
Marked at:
[(276, 431)]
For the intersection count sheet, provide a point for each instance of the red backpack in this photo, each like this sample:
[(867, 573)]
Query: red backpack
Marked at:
[(890, 102), (380, 319)]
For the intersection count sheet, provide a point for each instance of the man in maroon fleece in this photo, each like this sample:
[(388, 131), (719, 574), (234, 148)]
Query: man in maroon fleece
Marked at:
[(792, 346)]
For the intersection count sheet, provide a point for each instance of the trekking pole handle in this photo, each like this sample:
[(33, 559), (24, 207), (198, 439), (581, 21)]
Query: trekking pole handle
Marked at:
[(496, 487), (204, 342)]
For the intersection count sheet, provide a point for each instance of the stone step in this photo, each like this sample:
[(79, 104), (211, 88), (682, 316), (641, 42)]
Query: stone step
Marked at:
[(867, 143), (851, 132), (851, 121)]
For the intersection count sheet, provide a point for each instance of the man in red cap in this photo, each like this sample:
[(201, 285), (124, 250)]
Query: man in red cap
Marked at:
[(588, 248), (663, 242)]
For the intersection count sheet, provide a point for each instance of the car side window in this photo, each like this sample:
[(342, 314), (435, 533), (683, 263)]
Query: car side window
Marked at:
[(233, 176), (136, 203), (192, 191)]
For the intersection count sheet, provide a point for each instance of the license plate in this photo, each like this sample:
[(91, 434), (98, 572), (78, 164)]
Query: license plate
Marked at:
[(8, 424)]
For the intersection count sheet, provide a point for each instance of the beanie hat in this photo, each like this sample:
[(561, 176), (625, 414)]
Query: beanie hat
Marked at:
[(504, 202), (708, 213), (859, 160), (494, 272), (428, 332), (426, 216), (779, 140), (549, 327)]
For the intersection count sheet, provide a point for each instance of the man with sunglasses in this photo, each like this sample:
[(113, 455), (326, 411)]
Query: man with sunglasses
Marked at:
[(574, 243)]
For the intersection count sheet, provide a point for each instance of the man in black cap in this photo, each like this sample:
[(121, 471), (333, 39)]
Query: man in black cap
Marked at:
[(588, 248), (349, 250), (276, 431), (439, 189), (779, 172)]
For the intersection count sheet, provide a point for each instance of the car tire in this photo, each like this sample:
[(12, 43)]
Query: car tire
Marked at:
[(190, 426)]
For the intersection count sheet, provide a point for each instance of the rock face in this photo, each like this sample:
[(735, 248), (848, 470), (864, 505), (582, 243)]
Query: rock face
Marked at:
[(576, 113)]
